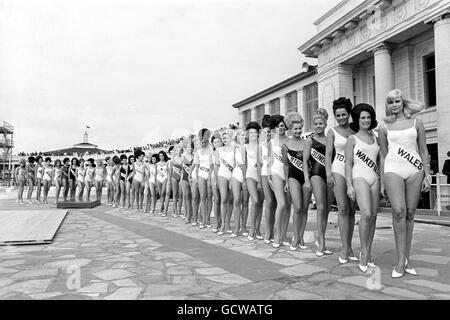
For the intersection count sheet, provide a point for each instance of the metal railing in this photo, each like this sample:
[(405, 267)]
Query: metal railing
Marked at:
[(442, 196)]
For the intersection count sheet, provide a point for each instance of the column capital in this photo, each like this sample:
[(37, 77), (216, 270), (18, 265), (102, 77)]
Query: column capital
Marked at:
[(282, 97), (300, 89), (381, 47), (440, 16)]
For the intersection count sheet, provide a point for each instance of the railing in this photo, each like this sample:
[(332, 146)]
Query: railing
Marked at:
[(442, 196), (6, 142)]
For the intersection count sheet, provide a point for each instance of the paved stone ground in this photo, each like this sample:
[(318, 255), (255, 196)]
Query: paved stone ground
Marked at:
[(108, 253)]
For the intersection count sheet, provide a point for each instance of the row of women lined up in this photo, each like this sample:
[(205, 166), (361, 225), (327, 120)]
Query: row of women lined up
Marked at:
[(68, 175)]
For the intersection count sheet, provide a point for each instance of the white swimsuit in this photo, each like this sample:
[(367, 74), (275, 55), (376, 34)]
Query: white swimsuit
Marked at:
[(265, 159), (251, 163), (204, 165), (48, 174), (338, 165), (81, 174), (161, 175), (365, 161), (139, 172), (237, 171), (99, 174), (226, 163), (277, 166)]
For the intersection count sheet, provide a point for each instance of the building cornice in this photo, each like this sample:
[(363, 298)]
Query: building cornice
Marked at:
[(348, 22), (283, 84)]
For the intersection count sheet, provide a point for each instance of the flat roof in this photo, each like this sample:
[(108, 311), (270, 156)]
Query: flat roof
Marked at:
[(300, 76)]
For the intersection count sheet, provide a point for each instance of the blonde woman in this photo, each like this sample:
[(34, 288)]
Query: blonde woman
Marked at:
[(404, 170)]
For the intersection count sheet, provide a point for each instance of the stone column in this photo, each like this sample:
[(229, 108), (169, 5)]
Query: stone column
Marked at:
[(267, 107), (300, 103), (241, 119), (384, 78), (283, 105), (253, 115), (442, 58)]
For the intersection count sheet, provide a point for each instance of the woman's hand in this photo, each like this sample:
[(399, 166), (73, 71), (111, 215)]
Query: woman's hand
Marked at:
[(330, 180), (244, 185), (307, 185), (351, 193), (269, 180), (426, 183), (286, 186)]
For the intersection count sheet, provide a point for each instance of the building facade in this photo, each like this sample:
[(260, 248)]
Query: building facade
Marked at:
[(298, 93), (6, 147), (365, 48)]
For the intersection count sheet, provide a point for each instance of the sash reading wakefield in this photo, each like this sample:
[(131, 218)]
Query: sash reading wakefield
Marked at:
[(320, 158), (295, 162), (367, 161)]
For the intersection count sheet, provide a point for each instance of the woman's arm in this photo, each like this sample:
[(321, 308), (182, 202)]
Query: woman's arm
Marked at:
[(423, 151), (243, 150), (285, 166), (382, 141), (216, 165), (306, 157), (349, 147), (329, 155)]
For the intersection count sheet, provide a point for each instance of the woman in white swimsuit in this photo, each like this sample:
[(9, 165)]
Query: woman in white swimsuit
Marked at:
[(138, 180), (81, 174), (57, 178), (161, 179), (20, 174), (100, 173), (90, 177), (39, 174), (47, 177)]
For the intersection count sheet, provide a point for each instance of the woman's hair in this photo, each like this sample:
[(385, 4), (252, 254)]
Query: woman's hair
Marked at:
[(204, 133), (216, 136), (33, 159), (116, 160), (275, 120), (342, 103), (38, 158), (265, 122), (76, 161), (123, 157), (170, 149), (65, 160), (227, 131), (410, 107), (107, 158), (57, 161), (253, 125), (48, 159), (91, 161), (138, 153), (356, 113), (155, 155), (131, 156), (164, 155), (293, 118), (321, 113), (237, 134)]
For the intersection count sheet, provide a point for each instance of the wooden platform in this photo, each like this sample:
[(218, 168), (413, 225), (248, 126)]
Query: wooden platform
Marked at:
[(29, 227), (78, 204)]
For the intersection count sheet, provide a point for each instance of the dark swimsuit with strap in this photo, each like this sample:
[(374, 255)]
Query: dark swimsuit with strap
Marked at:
[(130, 171), (317, 168), (186, 165), (295, 161)]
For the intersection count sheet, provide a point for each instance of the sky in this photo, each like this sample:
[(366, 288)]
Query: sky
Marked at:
[(140, 71)]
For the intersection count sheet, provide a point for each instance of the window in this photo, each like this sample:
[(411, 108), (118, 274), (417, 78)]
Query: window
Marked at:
[(259, 113), (275, 106), (311, 104), (430, 80), (291, 100)]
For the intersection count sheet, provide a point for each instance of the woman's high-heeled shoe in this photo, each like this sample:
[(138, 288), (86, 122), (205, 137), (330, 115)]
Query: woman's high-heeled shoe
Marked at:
[(361, 267), (342, 261), (410, 270), (396, 274), (276, 245)]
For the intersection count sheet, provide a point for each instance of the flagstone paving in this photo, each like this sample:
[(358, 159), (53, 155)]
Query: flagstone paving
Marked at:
[(107, 253)]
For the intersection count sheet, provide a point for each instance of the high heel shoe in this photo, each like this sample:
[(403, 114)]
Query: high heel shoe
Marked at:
[(371, 264), (327, 252), (342, 261), (353, 258), (276, 245), (267, 241), (303, 247), (396, 274), (361, 267), (410, 270), (319, 253)]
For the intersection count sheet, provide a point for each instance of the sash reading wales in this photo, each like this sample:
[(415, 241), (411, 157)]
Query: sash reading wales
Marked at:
[(407, 156)]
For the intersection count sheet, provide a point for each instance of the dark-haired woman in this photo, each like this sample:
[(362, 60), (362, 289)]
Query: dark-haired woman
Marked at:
[(117, 177), (74, 164), (81, 176), (269, 196), (39, 173), (277, 179), (20, 177), (293, 170), (152, 192), (362, 175), (175, 177), (90, 176), (57, 178), (47, 177), (161, 178), (405, 170), (122, 180), (31, 177), (217, 143), (99, 173), (109, 181), (204, 163), (252, 175), (129, 181), (336, 140), (138, 181), (171, 154), (193, 178), (316, 178), (187, 159), (65, 177)]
